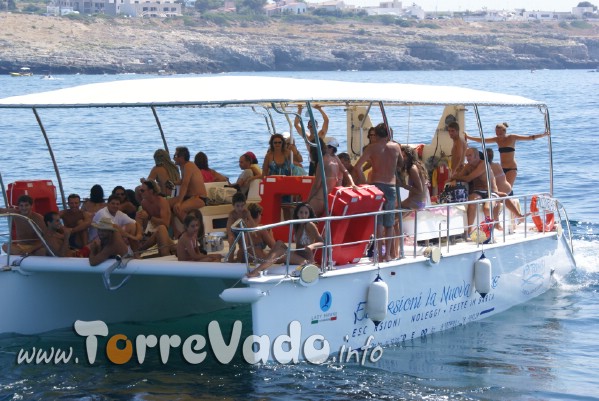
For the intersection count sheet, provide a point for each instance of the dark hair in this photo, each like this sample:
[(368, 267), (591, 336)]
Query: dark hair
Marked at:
[(48, 217), (182, 151), (312, 215), (200, 217), (201, 160), (113, 197), (454, 125), (96, 194), (489, 154), (131, 197), (238, 197), (323, 147), (272, 138), (255, 209), (74, 196), (25, 199), (117, 188), (188, 219), (381, 130), (344, 156)]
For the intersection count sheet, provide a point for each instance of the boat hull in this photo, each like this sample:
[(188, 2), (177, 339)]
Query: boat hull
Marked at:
[(42, 298), (423, 298)]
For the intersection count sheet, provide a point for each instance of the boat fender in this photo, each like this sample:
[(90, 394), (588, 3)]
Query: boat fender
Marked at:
[(536, 218), (433, 255), (377, 300), (309, 274), (241, 295), (482, 275)]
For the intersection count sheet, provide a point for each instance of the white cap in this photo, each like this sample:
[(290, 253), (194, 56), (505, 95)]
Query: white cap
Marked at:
[(330, 141)]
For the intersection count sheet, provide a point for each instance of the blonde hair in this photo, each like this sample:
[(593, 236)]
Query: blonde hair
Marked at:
[(161, 157), (503, 126)]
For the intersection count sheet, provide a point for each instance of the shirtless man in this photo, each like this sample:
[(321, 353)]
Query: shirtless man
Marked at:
[(384, 156), (356, 173), (312, 132), (57, 236), (192, 193), (475, 173), (155, 218), (27, 239), (335, 172), (77, 220), (108, 244), (458, 149)]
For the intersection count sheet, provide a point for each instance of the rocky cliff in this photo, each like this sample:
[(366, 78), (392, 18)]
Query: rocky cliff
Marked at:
[(101, 45)]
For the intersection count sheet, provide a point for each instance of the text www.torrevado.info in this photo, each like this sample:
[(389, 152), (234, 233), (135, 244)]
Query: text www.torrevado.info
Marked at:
[(255, 349)]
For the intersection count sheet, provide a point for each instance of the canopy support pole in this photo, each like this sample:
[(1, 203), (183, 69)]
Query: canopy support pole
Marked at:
[(160, 128), (39, 122)]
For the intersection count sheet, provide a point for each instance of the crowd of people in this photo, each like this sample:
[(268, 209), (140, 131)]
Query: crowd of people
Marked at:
[(164, 210)]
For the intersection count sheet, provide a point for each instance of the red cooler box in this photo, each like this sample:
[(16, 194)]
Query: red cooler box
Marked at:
[(345, 202), (43, 193)]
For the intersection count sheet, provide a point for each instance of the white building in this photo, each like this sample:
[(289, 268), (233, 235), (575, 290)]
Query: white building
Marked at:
[(134, 8), (285, 7)]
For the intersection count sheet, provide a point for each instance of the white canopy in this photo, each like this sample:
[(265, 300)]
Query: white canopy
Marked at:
[(233, 90)]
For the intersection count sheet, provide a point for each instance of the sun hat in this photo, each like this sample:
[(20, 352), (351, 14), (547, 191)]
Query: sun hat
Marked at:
[(105, 223)]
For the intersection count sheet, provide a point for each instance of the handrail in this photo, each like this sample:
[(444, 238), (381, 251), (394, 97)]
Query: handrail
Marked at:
[(437, 231), (34, 226)]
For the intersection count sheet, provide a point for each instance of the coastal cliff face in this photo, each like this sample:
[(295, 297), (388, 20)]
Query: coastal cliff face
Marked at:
[(62, 45)]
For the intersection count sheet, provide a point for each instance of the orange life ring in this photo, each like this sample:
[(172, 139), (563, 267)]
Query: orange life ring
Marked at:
[(549, 218)]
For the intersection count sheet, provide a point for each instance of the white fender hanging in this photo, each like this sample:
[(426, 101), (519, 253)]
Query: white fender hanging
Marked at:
[(482, 275), (377, 300), (241, 295)]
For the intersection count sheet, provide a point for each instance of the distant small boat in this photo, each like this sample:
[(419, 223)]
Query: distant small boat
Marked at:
[(48, 76), (23, 72)]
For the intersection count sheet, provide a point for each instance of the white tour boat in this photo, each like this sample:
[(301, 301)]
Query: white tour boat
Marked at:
[(350, 300)]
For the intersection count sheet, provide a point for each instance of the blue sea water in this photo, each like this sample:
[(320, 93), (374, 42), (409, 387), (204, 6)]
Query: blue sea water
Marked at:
[(542, 350)]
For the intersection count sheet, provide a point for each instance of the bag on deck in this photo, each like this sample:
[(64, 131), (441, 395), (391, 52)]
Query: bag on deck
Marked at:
[(454, 193)]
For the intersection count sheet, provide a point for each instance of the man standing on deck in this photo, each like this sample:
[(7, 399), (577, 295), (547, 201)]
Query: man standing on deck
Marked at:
[(27, 239), (155, 218), (458, 150), (383, 155), (192, 192)]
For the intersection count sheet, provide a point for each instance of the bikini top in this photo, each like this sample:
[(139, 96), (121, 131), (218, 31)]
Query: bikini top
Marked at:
[(506, 149)]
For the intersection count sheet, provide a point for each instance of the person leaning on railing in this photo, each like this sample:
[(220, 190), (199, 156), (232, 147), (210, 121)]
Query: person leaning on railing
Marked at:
[(27, 240)]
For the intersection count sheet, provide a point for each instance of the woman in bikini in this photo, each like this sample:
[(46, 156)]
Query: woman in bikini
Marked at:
[(188, 248), (416, 179), (209, 175), (307, 239), (507, 148)]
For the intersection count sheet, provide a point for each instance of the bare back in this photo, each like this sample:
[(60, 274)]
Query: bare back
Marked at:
[(192, 181), (383, 156)]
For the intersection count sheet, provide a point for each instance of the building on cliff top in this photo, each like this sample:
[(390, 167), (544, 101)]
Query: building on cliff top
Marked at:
[(133, 8)]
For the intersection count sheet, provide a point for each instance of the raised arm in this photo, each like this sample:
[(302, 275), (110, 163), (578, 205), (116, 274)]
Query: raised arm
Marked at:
[(325, 122)]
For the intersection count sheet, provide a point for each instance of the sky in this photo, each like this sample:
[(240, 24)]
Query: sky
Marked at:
[(472, 5)]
